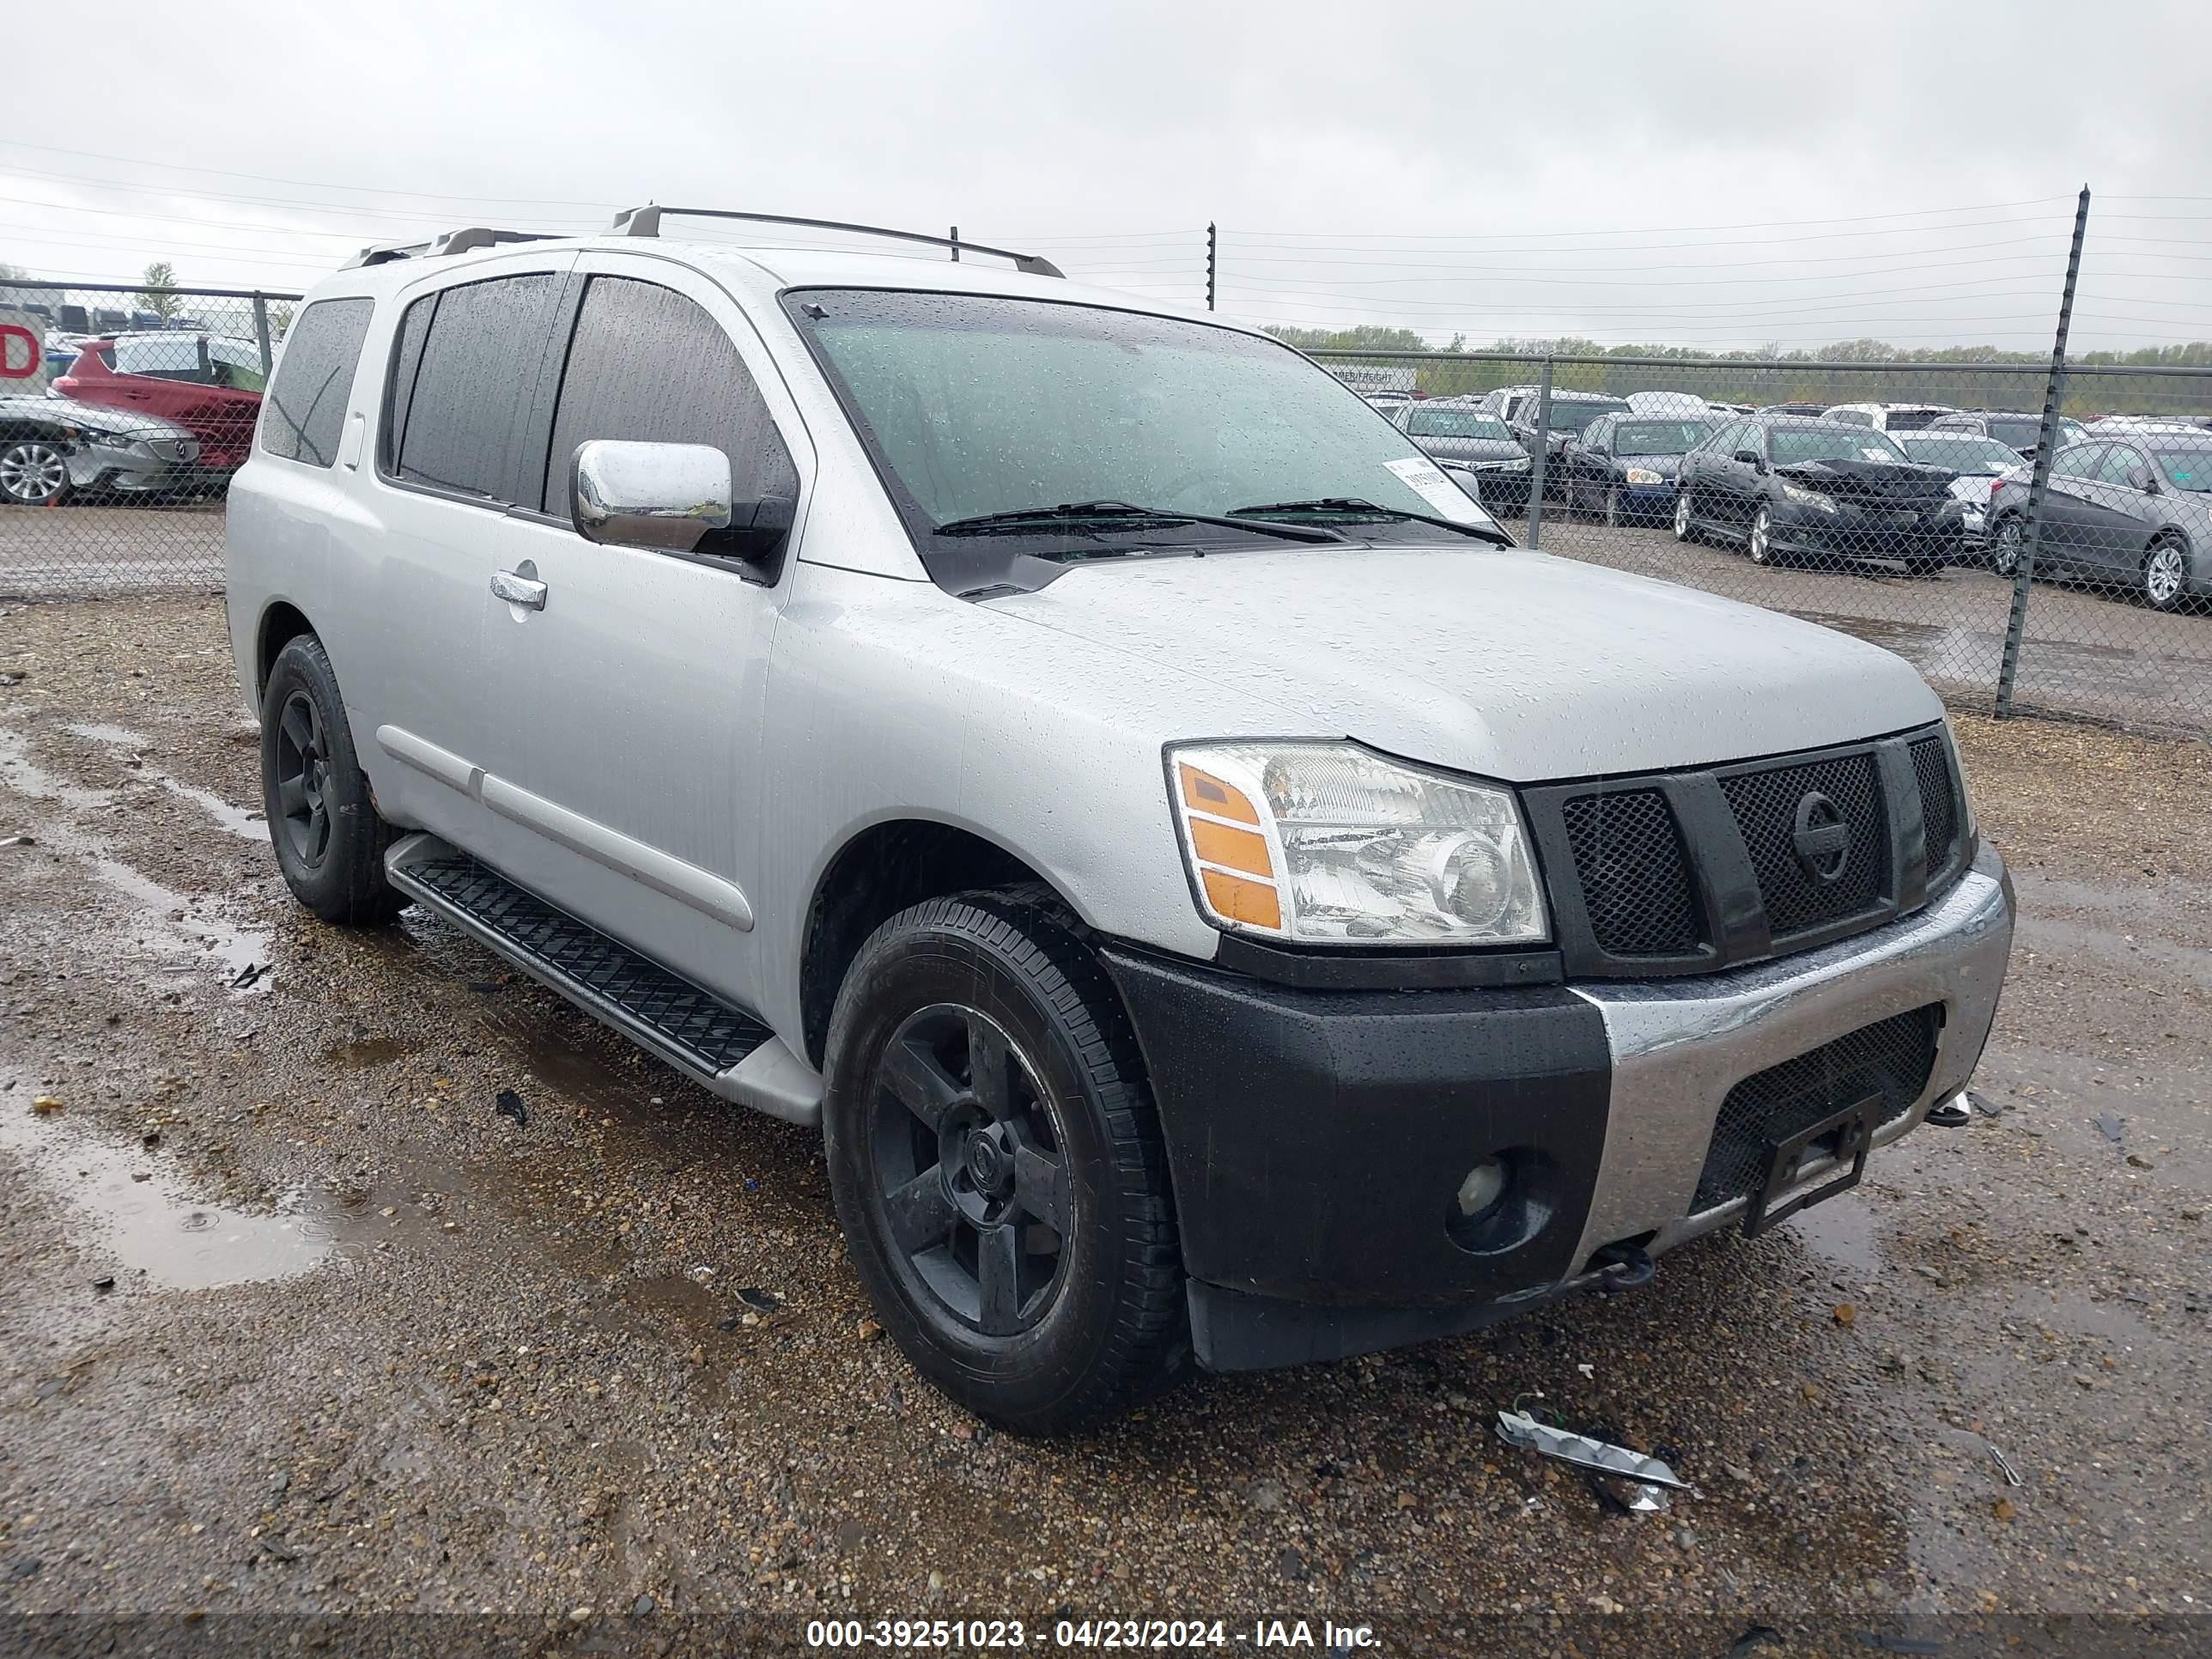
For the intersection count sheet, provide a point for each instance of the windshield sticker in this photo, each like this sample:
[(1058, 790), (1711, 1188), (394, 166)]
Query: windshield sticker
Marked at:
[(1428, 481)]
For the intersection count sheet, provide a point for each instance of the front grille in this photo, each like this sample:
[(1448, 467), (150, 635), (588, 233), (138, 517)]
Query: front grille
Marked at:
[(1635, 874), (1892, 1058), (1939, 817), (174, 449), (1766, 806)]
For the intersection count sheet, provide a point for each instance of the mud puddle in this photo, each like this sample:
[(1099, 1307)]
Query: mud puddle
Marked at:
[(144, 1223), (247, 824)]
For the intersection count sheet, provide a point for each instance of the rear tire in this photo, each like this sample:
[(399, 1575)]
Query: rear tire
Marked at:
[(329, 841), (998, 1167), (2164, 575), (2008, 546), (1760, 542)]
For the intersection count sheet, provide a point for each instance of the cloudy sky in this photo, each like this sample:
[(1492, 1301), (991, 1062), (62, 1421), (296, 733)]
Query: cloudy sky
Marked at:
[(1695, 172)]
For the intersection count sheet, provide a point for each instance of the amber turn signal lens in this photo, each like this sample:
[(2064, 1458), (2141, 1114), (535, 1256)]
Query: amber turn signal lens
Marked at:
[(1204, 793), (1236, 899)]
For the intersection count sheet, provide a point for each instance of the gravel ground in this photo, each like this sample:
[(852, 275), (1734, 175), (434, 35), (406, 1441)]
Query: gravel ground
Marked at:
[(371, 1346)]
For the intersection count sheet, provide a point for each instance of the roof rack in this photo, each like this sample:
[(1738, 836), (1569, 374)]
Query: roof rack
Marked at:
[(453, 241), (645, 221)]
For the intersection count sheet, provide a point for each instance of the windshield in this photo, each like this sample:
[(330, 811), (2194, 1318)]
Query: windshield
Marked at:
[(1822, 445), (978, 404), (2020, 435), (1962, 452), (1456, 423), (1659, 437), (1573, 417), (2187, 466)]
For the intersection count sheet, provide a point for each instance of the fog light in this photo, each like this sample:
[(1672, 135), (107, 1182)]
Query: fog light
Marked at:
[(1484, 1186)]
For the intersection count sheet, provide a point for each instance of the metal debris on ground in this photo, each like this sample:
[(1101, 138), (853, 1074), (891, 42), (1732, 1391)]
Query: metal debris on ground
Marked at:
[(507, 1104), (1981, 1103), (18, 841), (2011, 1474), (248, 976), (1648, 1480)]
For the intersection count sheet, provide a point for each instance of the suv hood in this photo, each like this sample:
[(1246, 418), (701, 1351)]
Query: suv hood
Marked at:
[(1871, 480), (1508, 664)]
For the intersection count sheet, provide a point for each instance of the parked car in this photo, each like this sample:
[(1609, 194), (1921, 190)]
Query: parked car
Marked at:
[(1978, 462), (1570, 411), (1719, 412), (2017, 431), (1623, 466), (1505, 401), (1805, 411), (1823, 492), (1459, 430), (1217, 898), (1888, 417), (208, 383), (2133, 513), (53, 447)]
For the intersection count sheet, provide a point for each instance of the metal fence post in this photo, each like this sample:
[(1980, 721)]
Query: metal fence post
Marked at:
[(1536, 461), (261, 334), (1212, 247), (2039, 480)]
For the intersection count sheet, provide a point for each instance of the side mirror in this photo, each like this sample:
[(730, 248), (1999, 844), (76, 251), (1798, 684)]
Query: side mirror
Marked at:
[(2140, 478), (1748, 457), (658, 496)]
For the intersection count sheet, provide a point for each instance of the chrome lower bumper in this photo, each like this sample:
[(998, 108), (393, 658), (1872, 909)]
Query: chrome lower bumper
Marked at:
[(1679, 1047)]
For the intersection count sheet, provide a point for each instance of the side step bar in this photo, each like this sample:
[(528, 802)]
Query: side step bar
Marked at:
[(726, 1050)]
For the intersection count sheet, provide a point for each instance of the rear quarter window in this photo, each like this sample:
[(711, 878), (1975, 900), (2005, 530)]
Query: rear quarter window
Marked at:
[(470, 367), (306, 410)]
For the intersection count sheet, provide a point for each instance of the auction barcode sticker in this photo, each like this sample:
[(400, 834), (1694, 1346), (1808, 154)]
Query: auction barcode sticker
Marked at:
[(1427, 480)]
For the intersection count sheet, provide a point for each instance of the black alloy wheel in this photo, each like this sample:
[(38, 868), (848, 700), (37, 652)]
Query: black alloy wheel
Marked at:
[(303, 780), (969, 1173), (329, 839), (997, 1164)]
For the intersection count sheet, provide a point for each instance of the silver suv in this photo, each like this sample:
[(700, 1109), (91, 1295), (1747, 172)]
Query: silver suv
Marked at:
[(1219, 901)]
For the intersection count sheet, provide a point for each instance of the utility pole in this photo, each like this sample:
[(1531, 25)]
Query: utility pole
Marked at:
[(1212, 248), (2038, 483)]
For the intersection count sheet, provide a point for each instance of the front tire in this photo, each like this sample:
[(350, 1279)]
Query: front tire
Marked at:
[(1685, 522), (32, 472), (1759, 544), (998, 1167), (330, 842), (2007, 548)]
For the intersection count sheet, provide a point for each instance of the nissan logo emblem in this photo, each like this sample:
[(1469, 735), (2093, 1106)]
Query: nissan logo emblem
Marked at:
[(1823, 840)]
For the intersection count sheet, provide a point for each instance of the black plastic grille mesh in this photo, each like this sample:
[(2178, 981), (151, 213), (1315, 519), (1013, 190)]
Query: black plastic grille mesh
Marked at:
[(1939, 817), (1635, 874), (1891, 1058), (1766, 808), (717, 1036)]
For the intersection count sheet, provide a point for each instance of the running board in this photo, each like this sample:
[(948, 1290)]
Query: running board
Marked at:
[(726, 1050)]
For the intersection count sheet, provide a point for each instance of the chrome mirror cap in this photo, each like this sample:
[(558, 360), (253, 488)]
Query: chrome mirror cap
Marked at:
[(639, 494)]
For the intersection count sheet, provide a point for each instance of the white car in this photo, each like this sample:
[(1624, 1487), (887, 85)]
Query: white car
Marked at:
[(1978, 461), (1218, 899)]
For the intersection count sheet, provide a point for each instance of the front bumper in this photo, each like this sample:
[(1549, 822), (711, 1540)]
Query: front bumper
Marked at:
[(1317, 1138), (1856, 532)]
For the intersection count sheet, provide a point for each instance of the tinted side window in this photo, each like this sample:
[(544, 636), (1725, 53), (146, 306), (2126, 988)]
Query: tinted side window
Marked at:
[(1728, 438), (2119, 462), (469, 394), (2079, 462), (647, 365), (307, 408), (1854, 417)]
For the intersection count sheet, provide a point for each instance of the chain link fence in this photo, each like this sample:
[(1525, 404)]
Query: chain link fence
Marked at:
[(124, 412), (1889, 499)]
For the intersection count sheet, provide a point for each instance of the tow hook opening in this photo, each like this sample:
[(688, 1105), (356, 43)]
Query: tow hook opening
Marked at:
[(1624, 1265)]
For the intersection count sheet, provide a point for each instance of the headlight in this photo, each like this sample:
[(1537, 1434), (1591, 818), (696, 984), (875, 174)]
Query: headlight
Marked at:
[(1324, 841), (1644, 475), (1812, 498), (1521, 465), (107, 439)]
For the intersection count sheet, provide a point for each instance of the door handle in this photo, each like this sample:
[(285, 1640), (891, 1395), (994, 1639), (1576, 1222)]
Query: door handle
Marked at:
[(518, 589)]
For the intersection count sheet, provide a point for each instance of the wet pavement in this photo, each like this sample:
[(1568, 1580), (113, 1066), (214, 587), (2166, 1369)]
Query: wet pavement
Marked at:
[(298, 1322)]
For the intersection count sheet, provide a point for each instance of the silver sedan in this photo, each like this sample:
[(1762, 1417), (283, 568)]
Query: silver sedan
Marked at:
[(52, 447)]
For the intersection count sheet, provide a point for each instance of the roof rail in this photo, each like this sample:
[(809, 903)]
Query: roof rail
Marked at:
[(645, 221), (453, 241)]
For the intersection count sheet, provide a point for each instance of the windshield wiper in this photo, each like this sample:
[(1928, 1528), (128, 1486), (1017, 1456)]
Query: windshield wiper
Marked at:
[(1074, 513), (1349, 506)]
